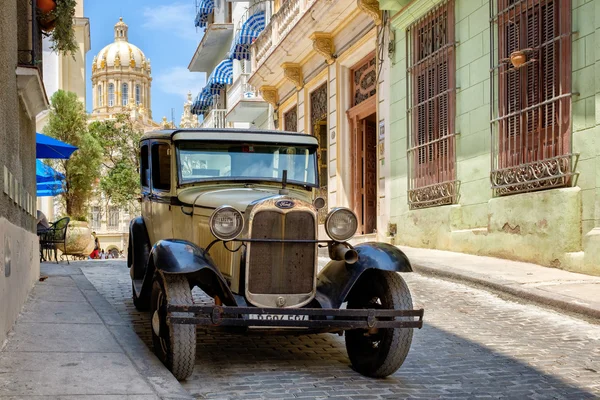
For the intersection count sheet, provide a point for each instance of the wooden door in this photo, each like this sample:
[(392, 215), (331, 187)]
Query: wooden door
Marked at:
[(369, 163)]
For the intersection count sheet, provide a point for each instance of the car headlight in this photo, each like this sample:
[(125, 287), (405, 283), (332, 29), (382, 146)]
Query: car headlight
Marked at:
[(341, 224), (226, 223)]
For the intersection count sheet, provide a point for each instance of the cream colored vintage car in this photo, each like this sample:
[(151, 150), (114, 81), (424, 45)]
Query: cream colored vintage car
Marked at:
[(233, 213)]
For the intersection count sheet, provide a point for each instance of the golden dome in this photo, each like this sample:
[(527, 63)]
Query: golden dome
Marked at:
[(120, 53)]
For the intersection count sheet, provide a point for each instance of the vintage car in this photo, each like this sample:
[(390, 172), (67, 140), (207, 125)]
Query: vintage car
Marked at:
[(233, 212)]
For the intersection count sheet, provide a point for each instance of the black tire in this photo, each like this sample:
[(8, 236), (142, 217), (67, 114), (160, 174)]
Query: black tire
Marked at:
[(175, 344), (379, 354), (140, 303)]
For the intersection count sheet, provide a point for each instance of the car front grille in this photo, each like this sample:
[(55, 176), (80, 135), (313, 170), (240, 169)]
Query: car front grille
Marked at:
[(282, 268)]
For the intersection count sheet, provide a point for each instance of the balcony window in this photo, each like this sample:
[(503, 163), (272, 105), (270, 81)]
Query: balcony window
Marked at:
[(95, 217), (531, 94), (113, 217), (204, 10)]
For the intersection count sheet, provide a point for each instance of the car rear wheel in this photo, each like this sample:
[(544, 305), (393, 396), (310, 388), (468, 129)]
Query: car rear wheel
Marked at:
[(174, 344), (379, 353)]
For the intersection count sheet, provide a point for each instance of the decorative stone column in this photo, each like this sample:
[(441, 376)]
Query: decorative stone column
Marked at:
[(293, 72), (323, 44)]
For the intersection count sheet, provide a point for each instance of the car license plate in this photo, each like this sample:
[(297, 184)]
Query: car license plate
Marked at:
[(278, 317)]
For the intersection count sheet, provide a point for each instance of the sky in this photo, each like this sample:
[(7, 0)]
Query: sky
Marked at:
[(165, 32)]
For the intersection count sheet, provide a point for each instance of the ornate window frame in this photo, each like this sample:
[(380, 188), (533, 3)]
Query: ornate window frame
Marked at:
[(111, 94), (124, 94), (431, 95), (531, 96)]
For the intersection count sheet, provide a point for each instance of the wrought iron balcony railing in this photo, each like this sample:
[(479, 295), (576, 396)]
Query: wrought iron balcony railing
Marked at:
[(30, 46)]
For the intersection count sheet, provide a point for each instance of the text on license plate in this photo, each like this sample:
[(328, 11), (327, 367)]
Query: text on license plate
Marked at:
[(278, 317)]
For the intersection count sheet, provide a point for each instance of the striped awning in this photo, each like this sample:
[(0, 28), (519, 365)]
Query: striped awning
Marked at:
[(202, 102), (222, 74), (246, 35), (205, 8)]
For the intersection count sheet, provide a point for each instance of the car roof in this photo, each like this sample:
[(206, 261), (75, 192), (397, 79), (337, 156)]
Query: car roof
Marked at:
[(232, 134)]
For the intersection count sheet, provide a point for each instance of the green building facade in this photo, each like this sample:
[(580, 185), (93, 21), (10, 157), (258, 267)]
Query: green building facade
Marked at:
[(494, 140)]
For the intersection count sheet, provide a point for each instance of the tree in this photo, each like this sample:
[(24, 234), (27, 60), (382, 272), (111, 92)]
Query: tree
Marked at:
[(120, 181), (68, 122)]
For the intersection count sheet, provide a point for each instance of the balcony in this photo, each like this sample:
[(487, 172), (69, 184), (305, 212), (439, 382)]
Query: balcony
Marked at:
[(29, 66), (212, 48), (290, 28), (215, 118), (244, 102)]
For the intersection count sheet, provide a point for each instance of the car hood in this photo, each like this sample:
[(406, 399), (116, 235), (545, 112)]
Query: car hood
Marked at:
[(238, 198)]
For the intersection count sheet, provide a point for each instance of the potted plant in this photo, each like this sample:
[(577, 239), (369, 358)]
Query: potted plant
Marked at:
[(59, 23)]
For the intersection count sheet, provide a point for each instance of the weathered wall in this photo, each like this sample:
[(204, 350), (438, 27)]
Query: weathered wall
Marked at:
[(18, 241), (554, 227)]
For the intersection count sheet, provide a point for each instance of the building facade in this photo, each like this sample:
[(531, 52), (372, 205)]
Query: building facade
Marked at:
[(121, 83), (494, 128), (22, 97), (295, 72), (66, 72)]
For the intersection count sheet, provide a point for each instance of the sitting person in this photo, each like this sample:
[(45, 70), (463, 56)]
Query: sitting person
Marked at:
[(42, 222)]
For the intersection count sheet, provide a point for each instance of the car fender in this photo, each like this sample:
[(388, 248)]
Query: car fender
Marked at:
[(336, 280), (176, 256), (139, 248)]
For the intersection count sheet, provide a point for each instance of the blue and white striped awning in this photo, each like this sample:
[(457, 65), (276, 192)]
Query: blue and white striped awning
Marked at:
[(222, 74), (205, 8), (202, 102), (246, 35)]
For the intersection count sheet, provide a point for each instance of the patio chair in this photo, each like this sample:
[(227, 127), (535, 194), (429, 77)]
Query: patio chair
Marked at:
[(55, 237)]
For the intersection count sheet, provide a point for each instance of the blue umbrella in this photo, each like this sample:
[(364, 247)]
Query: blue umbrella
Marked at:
[(48, 193), (54, 185), (45, 173), (47, 147)]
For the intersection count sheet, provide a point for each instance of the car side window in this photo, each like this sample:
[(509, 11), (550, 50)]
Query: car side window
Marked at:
[(144, 167), (161, 166)]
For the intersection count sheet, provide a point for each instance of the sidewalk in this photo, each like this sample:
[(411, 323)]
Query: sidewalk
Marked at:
[(69, 342), (561, 290)]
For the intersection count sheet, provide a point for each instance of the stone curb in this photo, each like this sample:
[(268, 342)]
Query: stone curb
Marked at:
[(554, 301), (145, 362)]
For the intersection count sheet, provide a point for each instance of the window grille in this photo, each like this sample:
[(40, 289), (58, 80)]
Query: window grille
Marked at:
[(124, 94), (113, 217), (111, 94), (432, 94), (99, 90), (531, 95), (290, 120)]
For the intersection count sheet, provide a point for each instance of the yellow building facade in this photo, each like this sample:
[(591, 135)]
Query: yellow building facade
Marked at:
[(316, 63)]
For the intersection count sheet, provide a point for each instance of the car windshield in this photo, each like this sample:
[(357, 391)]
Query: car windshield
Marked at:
[(199, 161)]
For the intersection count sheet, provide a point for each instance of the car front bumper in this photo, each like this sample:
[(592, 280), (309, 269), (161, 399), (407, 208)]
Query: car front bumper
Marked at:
[(318, 318)]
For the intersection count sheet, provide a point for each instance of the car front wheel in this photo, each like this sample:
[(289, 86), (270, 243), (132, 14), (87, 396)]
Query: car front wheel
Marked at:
[(379, 352), (174, 344)]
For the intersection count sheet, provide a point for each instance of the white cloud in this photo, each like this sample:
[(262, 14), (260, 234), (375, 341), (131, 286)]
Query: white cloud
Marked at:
[(178, 80), (176, 18)]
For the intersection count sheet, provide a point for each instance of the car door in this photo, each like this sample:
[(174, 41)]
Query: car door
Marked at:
[(162, 218), (146, 193)]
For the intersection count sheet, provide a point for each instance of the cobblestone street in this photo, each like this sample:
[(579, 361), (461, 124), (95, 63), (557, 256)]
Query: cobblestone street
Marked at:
[(473, 345)]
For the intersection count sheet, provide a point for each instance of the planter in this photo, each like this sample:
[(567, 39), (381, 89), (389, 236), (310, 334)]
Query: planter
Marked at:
[(79, 239), (46, 6), (47, 24), (518, 58)]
